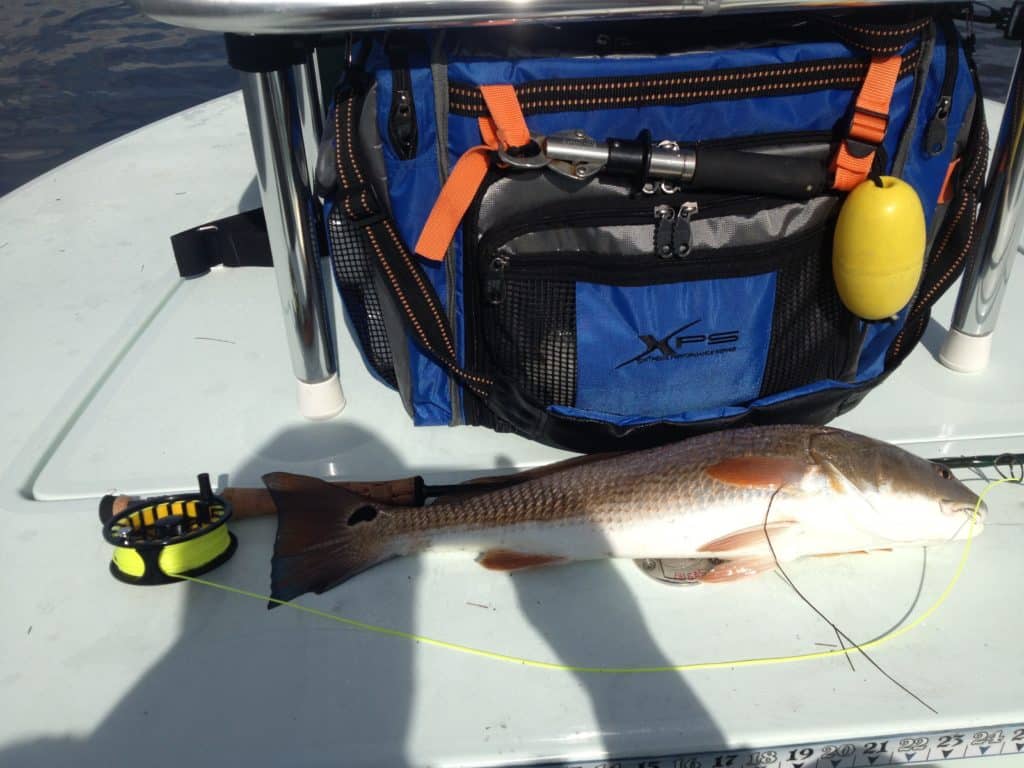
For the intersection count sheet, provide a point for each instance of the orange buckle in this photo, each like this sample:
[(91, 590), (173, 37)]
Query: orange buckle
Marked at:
[(867, 131)]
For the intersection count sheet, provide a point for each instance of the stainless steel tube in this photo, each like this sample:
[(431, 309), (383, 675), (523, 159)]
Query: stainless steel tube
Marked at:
[(310, 106), (275, 126), (317, 16), (1001, 222)]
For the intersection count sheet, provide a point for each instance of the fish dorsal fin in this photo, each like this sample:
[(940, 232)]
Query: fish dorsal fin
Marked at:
[(748, 538), (509, 560), (758, 471)]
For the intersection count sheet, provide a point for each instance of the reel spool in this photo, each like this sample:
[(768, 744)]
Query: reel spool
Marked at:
[(158, 538)]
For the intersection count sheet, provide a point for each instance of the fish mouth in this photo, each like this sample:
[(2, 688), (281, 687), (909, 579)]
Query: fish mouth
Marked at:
[(966, 509)]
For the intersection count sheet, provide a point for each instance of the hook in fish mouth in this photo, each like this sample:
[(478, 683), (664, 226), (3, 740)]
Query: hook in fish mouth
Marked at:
[(957, 508), (960, 507)]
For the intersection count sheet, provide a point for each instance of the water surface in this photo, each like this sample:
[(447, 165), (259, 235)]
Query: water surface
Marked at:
[(77, 73)]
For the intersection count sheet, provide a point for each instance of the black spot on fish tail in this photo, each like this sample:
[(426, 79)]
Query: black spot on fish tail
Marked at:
[(325, 535), (362, 515)]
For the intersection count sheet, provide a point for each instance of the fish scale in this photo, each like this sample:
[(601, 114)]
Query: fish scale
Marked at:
[(647, 482), (741, 498)]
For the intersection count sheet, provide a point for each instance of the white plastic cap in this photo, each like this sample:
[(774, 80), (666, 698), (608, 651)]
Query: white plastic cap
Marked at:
[(321, 400), (964, 353)]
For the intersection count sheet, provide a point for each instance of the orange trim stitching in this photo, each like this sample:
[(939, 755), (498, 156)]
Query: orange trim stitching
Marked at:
[(342, 175), (419, 282), (537, 90), (923, 301), (885, 32), (351, 144), (595, 101), (412, 317)]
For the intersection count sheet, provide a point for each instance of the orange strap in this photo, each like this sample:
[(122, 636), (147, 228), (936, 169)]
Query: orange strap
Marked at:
[(946, 193), (867, 129), (505, 127)]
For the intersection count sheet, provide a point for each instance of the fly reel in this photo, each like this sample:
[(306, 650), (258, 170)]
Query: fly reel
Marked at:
[(159, 539)]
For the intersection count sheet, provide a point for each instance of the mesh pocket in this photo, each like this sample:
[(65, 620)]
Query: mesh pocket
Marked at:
[(810, 328), (353, 272), (531, 338), (751, 311)]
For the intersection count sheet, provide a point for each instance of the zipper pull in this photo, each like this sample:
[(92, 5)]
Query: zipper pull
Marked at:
[(681, 230), (403, 125), (663, 235), (494, 287), (402, 115), (935, 135)]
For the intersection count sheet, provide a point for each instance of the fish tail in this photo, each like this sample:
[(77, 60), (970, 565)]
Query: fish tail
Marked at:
[(325, 535)]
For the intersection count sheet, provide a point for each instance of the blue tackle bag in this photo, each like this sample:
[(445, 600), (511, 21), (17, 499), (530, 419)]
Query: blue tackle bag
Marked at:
[(610, 236)]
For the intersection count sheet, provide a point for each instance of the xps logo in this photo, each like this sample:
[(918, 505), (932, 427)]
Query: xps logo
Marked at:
[(680, 344)]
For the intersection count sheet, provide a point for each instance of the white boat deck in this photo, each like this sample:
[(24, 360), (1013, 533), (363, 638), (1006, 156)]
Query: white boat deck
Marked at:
[(119, 376)]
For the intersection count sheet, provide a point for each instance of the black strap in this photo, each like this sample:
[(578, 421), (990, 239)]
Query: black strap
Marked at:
[(234, 241), (882, 33), (955, 243), (422, 311)]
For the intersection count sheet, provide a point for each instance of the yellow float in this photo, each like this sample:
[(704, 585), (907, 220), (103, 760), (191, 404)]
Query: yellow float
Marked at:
[(878, 249)]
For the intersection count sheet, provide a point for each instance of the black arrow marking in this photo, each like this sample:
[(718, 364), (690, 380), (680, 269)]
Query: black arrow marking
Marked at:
[(910, 756), (947, 752), (1020, 747), (798, 765), (873, 758), (836, 762), (983, 749)]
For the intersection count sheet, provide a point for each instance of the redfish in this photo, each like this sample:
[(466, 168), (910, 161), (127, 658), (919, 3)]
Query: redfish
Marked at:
[(733, 496)]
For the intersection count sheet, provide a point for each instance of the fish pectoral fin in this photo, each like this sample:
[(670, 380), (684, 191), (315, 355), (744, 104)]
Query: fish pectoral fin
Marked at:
[(840, 554), (749, 538), (510, 560), (740, 568), (758, 471), (853, 552)]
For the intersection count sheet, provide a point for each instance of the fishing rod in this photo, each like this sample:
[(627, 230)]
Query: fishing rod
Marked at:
[(415, 491), (157, 539), (406, 492), (1008, 465), (579, 157), (160, 539)]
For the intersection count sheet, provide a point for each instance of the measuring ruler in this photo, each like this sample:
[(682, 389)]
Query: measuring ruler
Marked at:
[(899, 749)]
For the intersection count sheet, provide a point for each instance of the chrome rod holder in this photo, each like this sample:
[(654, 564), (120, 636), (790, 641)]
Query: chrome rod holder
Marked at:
[(309, 101), (968, 345), (284, 119)]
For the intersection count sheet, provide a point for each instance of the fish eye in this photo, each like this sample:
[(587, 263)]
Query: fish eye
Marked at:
[(944, 472)]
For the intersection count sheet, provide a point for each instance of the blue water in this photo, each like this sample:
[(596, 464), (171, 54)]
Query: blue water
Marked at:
[(77, 73)]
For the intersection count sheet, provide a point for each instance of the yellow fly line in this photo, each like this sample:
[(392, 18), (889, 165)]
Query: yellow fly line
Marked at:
[(176, 559), (511, 659)]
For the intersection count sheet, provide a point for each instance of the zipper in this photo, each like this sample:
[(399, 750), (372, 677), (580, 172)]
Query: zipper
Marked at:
[(937, 130), (676, 88), (612, 271), (631, 211), (494, 283), (664, 230), (402, 117), (681, 229), (672, 228)]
